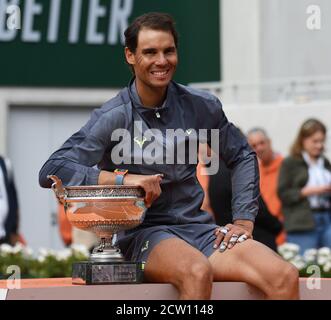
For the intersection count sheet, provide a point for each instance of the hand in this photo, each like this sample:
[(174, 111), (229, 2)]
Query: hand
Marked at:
[(150, 183), (231, 234), (310, 191)]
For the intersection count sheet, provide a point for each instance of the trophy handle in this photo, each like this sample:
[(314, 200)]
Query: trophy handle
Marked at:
[(58, 189)]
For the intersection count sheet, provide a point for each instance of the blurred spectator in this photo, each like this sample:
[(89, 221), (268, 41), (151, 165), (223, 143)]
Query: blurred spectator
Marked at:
[(217, 201), (8, 205), (269, 166), (305, 189)]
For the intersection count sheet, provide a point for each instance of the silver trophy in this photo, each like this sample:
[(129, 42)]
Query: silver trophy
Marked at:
[(104, 210)]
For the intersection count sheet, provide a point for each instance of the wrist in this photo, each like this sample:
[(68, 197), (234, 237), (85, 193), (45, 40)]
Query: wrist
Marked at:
[(119, 176), (106, 178), (247, 224)]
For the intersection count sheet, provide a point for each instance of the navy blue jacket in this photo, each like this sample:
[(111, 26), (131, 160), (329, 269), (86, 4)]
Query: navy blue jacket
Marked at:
[(11, 222), (85, 153)]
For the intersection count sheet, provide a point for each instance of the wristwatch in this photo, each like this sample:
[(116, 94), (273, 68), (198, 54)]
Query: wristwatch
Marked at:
[(120, 173)]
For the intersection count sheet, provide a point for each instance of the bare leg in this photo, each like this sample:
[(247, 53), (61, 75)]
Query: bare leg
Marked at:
[(175, 261), (256, 264)]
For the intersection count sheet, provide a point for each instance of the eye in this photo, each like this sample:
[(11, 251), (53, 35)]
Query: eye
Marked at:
[(149, 52), (170, 51)]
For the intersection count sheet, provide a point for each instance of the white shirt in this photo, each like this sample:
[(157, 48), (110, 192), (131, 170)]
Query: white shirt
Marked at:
[(3, 204), (318, 176)]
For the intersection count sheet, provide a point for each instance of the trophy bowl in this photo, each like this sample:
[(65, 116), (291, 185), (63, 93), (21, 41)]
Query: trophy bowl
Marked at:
[(104, 210)]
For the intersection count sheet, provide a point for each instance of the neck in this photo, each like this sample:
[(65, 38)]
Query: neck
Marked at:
[(150, 97), (268, 160), (313, 158)]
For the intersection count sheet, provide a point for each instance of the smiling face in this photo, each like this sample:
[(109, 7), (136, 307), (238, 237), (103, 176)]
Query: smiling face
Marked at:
[(155, 59)]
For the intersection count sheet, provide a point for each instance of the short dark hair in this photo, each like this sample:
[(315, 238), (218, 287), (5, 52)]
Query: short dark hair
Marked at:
[(151, 20)]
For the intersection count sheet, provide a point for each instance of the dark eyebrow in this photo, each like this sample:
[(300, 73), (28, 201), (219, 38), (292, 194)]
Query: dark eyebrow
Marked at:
[(171, 49), (149, 50)]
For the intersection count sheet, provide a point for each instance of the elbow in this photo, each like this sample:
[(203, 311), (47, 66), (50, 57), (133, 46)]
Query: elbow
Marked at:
[(44, 182)]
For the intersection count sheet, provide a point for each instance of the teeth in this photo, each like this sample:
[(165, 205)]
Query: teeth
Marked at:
[(158, 73)]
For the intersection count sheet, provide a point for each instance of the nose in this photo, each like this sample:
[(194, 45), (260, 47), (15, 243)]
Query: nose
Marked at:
[(161, 59)]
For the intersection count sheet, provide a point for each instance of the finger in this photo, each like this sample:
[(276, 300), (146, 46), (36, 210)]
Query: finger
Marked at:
[(156, 189), (226, 241), (220, 234), (233, 240), (148, 197), (156, 193), (242, 238), (217, 231), (218, 240), (224, 244), (158, 186), (221, 229)]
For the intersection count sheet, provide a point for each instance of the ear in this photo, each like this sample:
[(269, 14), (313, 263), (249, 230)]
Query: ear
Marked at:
[(129, 56)]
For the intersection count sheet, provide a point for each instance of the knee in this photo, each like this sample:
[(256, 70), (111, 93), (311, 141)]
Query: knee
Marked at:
[(198, 272), (286, 283)]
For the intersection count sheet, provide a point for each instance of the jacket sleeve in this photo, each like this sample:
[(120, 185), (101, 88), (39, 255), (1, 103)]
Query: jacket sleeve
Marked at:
[(241, 160), (287, 192), (75, 162)]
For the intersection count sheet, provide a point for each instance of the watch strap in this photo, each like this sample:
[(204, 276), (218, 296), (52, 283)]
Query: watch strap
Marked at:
[(119, 179)]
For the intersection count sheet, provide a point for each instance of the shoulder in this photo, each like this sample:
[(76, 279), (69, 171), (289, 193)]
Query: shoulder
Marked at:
[(277, 161), (117, 104), (293, 162), (115, 110), (194, 94), (202, 103)]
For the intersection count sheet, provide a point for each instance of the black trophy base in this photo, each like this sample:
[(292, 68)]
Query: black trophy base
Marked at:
[(92, 272)]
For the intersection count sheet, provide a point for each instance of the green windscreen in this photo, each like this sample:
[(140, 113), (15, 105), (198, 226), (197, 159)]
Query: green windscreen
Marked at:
[(79, 43)]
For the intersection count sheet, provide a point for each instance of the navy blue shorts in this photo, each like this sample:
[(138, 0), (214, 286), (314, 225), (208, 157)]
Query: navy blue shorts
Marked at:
[(137, 245)]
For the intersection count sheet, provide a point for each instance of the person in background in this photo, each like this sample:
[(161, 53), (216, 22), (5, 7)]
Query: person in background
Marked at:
[(304, 188), (9, 214), (269, 166)]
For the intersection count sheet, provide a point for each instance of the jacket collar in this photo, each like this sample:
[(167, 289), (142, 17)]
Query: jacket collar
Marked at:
[(137, 104)]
